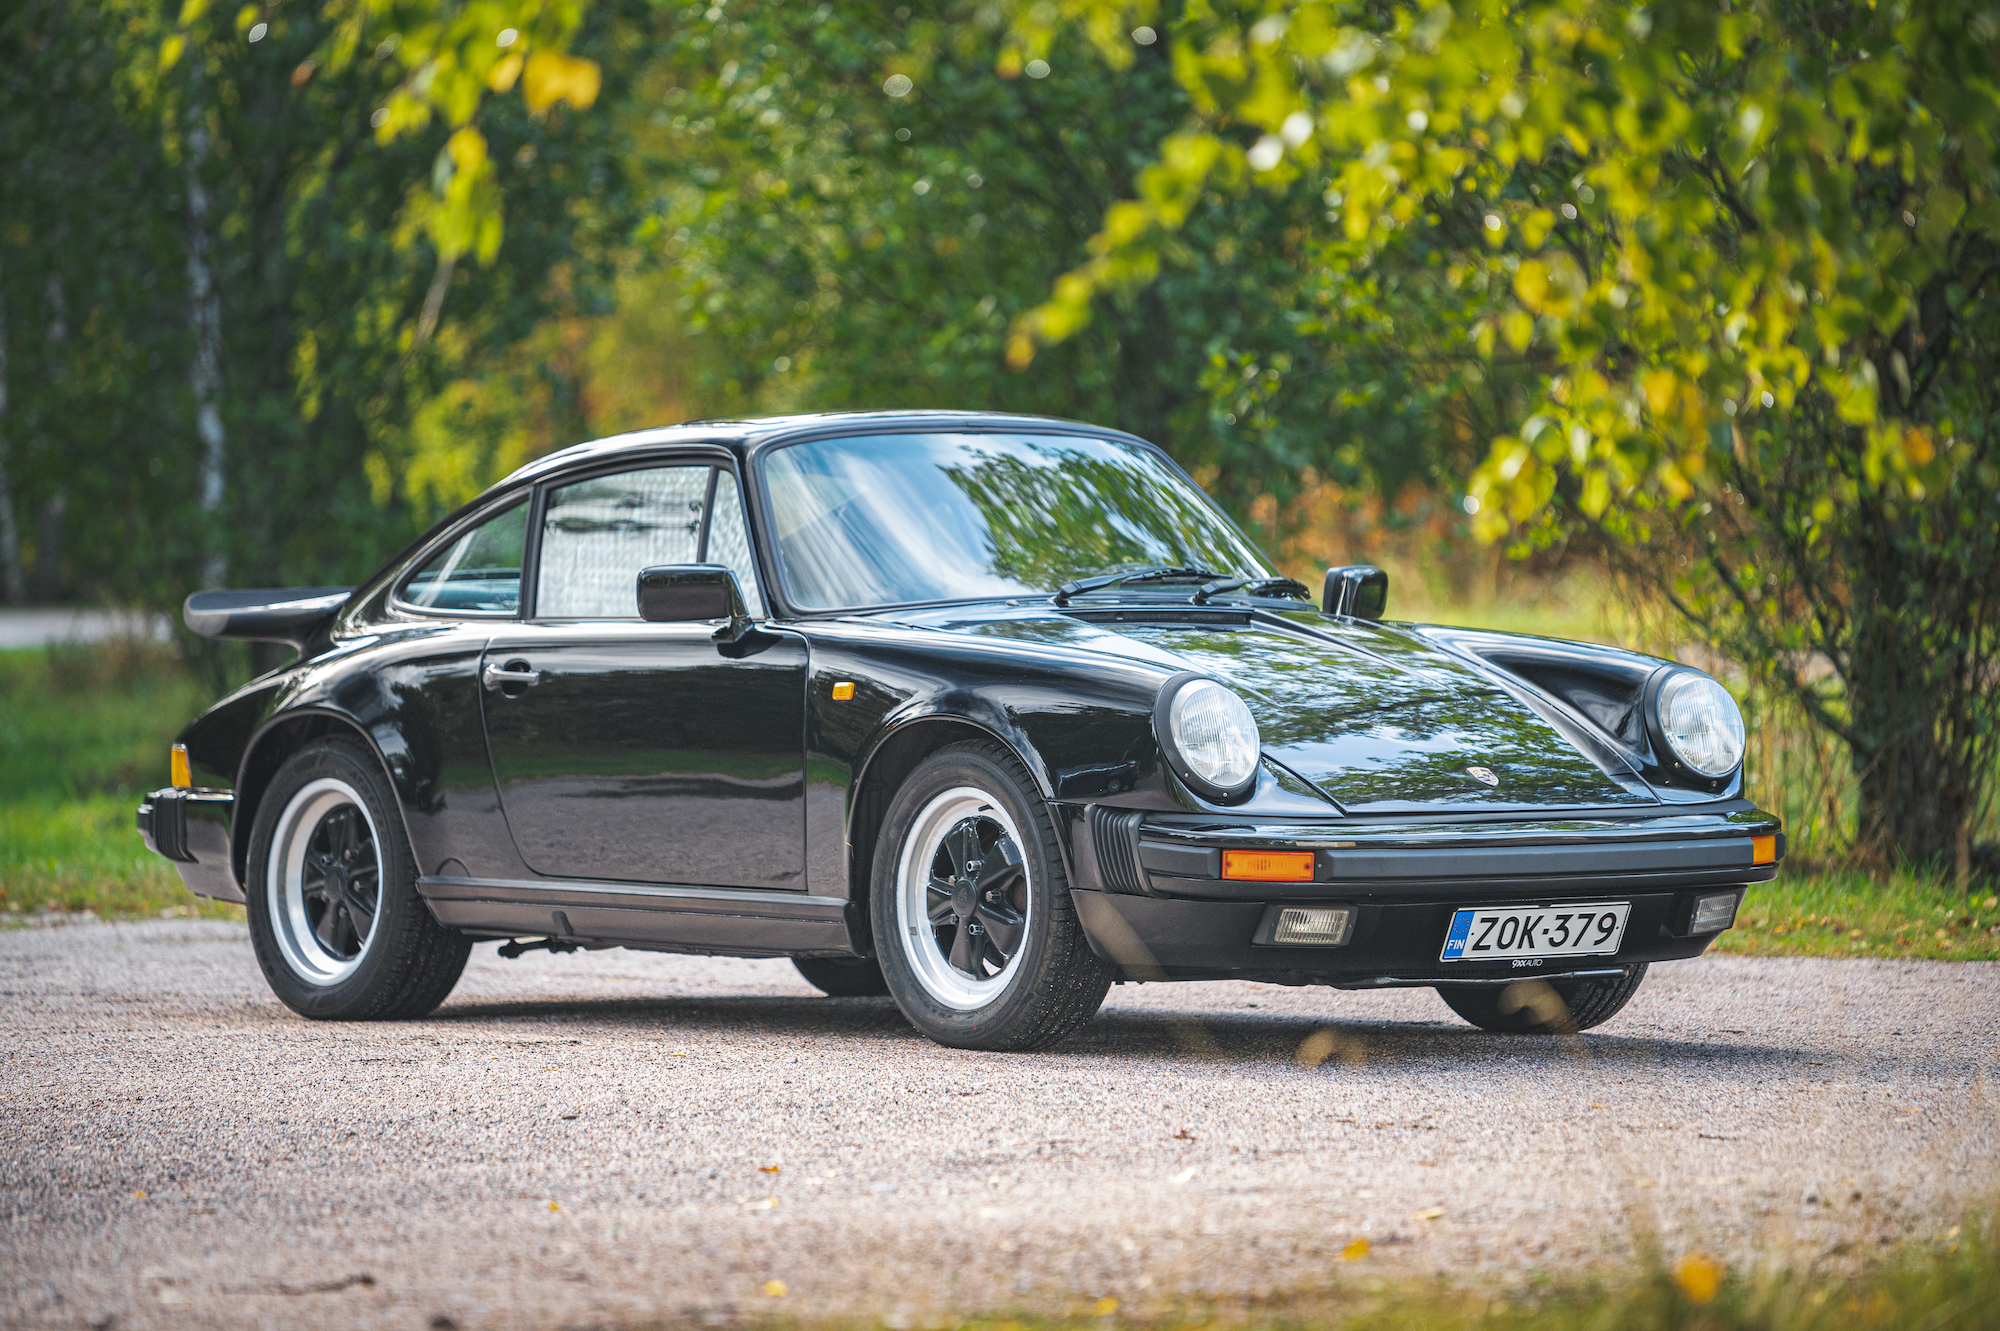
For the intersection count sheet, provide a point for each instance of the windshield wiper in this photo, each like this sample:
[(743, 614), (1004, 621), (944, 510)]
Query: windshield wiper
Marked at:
[(1158, 573), (1256, 587)]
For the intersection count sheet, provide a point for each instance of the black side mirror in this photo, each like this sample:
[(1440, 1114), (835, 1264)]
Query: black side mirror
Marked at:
[(688, 593), (1356, 591)]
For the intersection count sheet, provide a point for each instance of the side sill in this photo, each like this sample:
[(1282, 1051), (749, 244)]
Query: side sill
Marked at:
[(725, 921)]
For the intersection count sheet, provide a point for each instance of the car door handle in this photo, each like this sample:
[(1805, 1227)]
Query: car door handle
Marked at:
[(499, 677)]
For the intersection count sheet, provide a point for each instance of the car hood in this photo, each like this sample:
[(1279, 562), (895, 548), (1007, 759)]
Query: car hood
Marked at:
[(1375, 716)]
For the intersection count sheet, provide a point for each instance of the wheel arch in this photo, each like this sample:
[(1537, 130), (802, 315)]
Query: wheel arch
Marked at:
[(903, 745), (277, 740)]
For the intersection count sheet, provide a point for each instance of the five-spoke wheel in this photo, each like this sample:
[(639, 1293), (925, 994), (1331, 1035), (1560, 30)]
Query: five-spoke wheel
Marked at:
[(339, 929), (974, 927), (325, 880)]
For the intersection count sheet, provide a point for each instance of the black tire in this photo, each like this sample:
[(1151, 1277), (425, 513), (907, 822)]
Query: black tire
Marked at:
[(1547, 1007), (1051, 983), (843, 977), (407, 962)]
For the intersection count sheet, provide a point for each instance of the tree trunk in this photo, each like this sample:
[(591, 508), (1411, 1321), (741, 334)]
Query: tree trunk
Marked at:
[(205, 321), (13, 583)]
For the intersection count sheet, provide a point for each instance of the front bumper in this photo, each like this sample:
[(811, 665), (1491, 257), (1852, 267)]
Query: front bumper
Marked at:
[(1151, 898), (191, 828)]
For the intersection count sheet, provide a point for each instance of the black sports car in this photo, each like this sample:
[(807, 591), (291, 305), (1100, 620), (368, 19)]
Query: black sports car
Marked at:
[(983, 712)]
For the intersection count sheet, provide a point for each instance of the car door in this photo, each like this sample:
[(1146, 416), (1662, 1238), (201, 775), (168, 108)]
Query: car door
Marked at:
[(637, 752)]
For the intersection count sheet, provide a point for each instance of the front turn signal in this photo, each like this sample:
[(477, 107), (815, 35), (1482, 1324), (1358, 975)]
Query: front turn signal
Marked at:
[(1268, 866), (183, 774), (1763, 850)]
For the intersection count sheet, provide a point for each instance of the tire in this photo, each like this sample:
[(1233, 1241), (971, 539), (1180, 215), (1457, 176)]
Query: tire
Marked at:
[(990, 958), (1550, 1007), (326, 954), (843, 977)]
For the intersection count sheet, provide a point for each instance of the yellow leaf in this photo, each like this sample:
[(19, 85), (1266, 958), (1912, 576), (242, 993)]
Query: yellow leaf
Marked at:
[(1659, 386), (1917, 447), (554, 1207), (775, 1288), (1020, 351), (192, 10), (769, 1169), (1699, 1277), (1531, 284), (554, 77), (1518, 328), (1428, 1213), (170, 50), (501, 77), (1106, 1306), (1355, 1251), (467, 147)]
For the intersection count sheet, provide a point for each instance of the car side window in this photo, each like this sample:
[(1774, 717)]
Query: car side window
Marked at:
[(480, 571), (597, 535), (729, 541)]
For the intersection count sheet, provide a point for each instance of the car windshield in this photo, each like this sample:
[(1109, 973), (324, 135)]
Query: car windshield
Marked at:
[(894, 519)]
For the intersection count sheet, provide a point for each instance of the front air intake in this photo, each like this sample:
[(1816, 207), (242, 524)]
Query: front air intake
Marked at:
[(1115, 836)]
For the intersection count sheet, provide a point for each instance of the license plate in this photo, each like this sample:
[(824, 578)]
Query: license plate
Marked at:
[(1493, 933)]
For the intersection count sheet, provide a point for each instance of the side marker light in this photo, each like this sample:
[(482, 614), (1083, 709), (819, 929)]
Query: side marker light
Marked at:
[(1763, 850), (183, 773), (843, 691), (1268, 866)]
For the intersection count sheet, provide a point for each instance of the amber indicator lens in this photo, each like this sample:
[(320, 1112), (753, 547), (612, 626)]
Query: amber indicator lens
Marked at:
[(183, 774), (1326, 927), (843, 691), (1268, 866), (1763, 850)]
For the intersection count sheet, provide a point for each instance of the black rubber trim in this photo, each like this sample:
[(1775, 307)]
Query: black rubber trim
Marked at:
[(1114, 835)]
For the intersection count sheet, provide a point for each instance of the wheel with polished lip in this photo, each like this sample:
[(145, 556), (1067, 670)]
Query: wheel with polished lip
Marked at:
[(1549, 1007), (843, 977), (335, 918), (974, 926)]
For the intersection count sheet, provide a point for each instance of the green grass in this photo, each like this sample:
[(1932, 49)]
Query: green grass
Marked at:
[(84, 733), (1852, 915), (1948, 1283)]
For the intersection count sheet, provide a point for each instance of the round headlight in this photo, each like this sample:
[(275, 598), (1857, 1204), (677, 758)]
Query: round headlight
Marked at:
[(1701, 723), (1211, 738)]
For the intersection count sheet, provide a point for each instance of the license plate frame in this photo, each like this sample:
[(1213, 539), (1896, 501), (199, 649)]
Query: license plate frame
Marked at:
[(1537, 921)]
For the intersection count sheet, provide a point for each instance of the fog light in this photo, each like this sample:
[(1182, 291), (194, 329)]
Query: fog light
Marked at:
[(1713, 914), (1323, 926)]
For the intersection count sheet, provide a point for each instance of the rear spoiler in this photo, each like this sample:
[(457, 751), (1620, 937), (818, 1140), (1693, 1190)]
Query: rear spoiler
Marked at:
[(294, 615)]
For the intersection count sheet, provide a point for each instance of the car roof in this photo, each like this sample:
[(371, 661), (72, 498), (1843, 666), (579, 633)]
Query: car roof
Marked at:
[(747, 436)]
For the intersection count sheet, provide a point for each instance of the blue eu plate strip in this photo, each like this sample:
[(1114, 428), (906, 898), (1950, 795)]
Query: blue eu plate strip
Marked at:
[(1461, 929)]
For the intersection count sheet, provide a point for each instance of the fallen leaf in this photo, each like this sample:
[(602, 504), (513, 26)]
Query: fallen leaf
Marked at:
[(554, 1207), (1106, 1306), (1428, 1213), (1184, 1176), (1699, 1277), (769, 1169), (1649, 1183), (775, 1288), (1600, 1106), (138, 1194), (1355, 1251)]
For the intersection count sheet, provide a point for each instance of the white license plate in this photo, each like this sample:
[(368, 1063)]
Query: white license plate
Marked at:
[(1494, 933)]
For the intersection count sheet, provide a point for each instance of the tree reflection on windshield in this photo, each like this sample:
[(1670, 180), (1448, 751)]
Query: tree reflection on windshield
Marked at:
[(895, 519)]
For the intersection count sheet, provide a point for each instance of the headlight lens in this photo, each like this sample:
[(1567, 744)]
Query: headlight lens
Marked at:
[(1215, 735), (1701, 723)]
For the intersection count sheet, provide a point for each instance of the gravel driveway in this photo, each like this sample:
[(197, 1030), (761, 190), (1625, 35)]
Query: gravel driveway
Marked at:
[(621, 1137)]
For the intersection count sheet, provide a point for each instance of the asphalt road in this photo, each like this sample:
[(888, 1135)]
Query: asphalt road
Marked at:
[(620, 1138)]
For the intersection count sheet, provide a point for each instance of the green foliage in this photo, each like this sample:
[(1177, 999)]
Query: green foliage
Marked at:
[(849, 240), (336, 326), (1745, 257)]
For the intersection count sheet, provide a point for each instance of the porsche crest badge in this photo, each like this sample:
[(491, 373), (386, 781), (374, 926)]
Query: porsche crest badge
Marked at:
[(1483, 775)]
